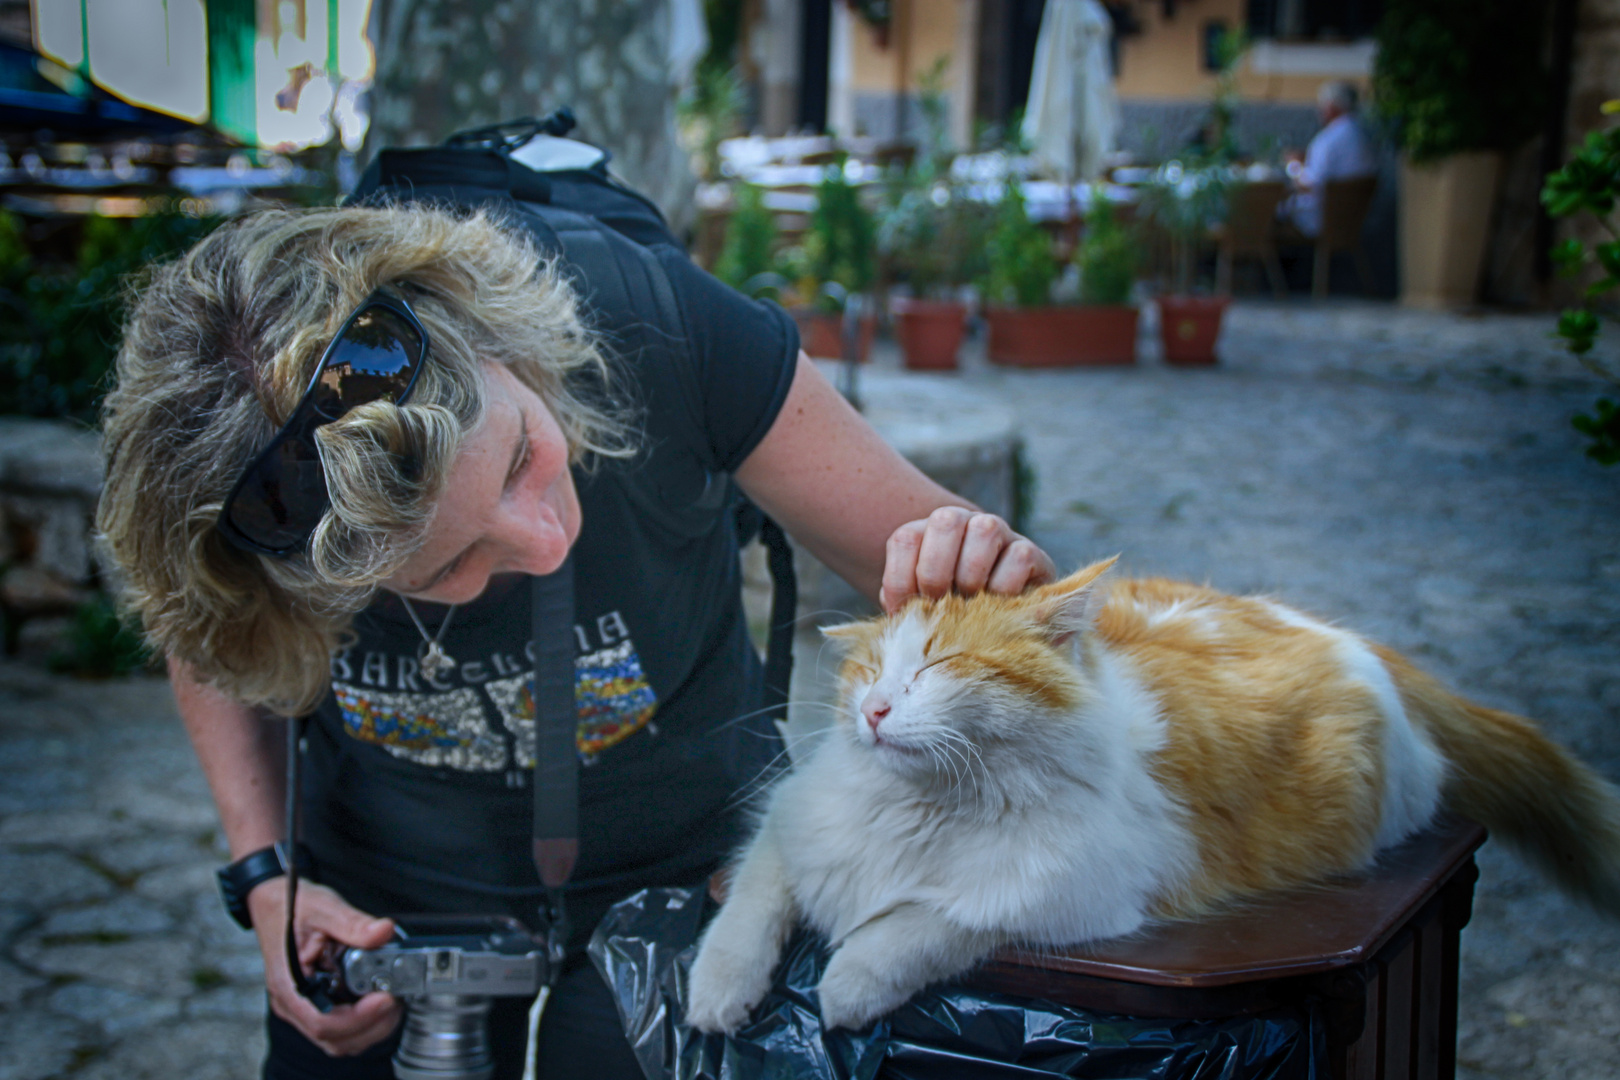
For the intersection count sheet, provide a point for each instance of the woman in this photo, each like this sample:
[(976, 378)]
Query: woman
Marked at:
[(339, 439)]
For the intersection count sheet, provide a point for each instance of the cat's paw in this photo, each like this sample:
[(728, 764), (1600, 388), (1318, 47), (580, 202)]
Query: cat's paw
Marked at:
[(724, 987), (853, 993)]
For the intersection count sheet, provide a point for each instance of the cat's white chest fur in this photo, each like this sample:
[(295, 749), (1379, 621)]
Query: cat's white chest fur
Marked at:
[(1085, 860)]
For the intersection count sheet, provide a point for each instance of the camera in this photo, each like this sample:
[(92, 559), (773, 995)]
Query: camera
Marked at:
[(447, 968)]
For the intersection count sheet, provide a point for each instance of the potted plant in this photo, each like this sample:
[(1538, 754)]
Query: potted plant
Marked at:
[(1185, 199), (835, 259), (934, 238), (1031, 331), (749, 249), (1460, 81)]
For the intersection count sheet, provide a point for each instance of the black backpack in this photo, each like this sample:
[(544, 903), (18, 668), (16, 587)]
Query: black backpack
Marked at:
[(573, 204)]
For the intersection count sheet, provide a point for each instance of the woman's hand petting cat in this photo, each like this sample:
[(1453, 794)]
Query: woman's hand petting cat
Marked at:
[(963, 550)]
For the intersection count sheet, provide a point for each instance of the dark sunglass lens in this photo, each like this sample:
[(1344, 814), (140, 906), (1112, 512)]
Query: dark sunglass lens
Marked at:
[(284, 496), (374, 360)]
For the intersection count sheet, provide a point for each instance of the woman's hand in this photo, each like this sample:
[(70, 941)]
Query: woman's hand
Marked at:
[(962, 550), (323, 919), (870, 515)]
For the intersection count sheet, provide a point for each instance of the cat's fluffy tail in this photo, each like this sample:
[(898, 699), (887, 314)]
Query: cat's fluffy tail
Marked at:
[(1504, 773)]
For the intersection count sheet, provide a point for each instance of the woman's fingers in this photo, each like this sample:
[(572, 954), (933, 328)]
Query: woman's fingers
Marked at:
[(941, 550), (961, 550), (900, 565), (986, 539), (323, 918), (325, 912), (1021, 565), (347, 1029), (368, 1022)]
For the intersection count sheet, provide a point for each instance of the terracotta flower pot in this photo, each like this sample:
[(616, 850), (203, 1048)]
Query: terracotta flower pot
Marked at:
[(821, 334), (1062, 336), (930, 332), (1189, 326)]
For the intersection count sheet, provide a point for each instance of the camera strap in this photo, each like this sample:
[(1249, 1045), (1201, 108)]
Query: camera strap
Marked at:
[(318, 989), (556, 754)]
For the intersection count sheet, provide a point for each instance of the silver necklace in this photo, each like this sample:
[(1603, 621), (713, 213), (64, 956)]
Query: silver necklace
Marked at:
[(430, 655)]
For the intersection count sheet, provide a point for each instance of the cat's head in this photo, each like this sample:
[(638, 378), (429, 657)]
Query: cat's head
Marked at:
[(943, 683)]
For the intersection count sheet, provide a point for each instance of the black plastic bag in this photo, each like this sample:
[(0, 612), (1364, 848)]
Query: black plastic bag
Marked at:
[(644, 949)]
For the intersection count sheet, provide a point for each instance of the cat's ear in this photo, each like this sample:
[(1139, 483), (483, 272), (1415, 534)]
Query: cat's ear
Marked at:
[(1068, 607), (845, 635)]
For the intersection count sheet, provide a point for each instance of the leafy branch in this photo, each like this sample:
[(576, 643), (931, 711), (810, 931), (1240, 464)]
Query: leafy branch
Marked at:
[(1589, 186)]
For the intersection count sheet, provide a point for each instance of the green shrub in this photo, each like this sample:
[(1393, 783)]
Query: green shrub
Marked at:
[(934, 237), (710, 112), (1186, 199), (1603, 428), (841, 241), (750, 244), (59, 325), (1458, 75), (1107, 257), (1589, 184), (1022, 267), (102, 643)]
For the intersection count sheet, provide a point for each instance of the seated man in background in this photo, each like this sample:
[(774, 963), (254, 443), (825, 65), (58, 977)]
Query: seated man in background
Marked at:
[(1340, 151)]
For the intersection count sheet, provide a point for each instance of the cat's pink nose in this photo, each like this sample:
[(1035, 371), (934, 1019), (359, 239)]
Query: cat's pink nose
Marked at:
[(874, 708)]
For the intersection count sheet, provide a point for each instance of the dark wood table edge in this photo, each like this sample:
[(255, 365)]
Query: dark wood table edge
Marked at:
[(1459, 840)]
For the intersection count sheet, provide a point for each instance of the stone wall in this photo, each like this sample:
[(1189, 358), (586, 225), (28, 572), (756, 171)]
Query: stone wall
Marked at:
[(50, 478), (1511, 274)]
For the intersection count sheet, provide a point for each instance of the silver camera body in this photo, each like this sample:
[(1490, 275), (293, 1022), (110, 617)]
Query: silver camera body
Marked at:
[(447, 969)]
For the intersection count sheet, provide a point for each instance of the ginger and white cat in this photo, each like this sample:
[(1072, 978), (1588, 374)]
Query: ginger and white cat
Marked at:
[(1071, 763)]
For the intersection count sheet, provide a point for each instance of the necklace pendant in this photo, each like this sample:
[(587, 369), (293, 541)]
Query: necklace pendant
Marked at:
[(435, 661)]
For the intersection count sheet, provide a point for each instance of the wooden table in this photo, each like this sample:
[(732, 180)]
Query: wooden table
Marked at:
[(1379, 952)]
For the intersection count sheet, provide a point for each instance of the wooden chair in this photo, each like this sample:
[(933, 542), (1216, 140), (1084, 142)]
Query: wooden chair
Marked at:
[(1250, 231), (1344, 208)]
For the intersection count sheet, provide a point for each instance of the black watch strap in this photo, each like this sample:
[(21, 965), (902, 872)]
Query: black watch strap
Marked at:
[(240, 877)]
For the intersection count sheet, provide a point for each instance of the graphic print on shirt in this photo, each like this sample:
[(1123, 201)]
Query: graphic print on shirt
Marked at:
[(610, 691), (446, 731), (441, 725)]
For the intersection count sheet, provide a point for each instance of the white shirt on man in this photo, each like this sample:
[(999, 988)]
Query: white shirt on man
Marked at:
[(1340, 151)]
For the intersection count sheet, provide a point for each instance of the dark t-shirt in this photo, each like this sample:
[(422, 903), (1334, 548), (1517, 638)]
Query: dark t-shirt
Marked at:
[(418, 791)]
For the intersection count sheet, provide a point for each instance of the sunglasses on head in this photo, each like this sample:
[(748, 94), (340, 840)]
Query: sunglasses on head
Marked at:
[(376, 356)]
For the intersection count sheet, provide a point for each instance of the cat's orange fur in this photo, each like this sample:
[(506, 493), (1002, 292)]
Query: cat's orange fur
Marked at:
[(1064, 765), (1273, 749)]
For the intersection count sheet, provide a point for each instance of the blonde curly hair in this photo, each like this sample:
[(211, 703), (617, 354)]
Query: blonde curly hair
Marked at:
[(218, 349)]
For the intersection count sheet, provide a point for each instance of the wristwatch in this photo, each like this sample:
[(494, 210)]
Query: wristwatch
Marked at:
[(238, 879)]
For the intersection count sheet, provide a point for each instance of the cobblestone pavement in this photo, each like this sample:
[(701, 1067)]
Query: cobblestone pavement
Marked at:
[(1408, 475)]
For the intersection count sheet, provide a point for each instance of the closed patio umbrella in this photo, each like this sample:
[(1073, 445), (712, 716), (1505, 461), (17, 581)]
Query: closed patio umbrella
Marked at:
[(1072, 118)]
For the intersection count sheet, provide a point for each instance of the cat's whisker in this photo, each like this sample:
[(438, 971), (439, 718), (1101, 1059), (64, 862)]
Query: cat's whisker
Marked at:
[(803, 703), (937, 753), (955, 738), (805, 618), (769, 773)]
